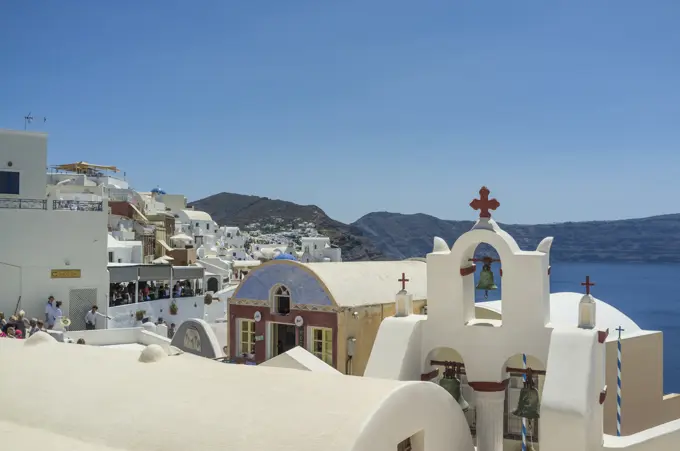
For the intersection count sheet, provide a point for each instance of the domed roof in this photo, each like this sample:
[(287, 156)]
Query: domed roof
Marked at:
[(284, 256), (157, 190)]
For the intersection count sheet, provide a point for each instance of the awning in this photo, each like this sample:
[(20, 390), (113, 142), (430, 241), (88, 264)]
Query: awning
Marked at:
[(188, 272), (154, 272), (118, 274), (181, 237), (141, 215), (164, 245), (246, 263)]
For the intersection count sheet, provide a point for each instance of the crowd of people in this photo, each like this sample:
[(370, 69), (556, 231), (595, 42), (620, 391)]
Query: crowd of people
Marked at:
[(124, 293), (18, 326)]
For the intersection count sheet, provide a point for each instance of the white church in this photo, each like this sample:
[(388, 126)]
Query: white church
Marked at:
[(160, 398)]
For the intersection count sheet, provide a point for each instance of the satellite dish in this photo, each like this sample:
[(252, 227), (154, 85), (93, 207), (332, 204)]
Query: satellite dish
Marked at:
[(65, 321)]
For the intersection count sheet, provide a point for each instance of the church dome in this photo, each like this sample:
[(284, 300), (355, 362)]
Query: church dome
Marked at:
[(283, 256), (157, 190)]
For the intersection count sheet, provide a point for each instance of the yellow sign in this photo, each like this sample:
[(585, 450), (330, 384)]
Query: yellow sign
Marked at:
[(66, 274)]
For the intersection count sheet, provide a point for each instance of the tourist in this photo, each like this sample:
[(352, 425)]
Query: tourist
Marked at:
[(91, 318), (49, 313), (81, 341), (10, 332), (171, 331), (57, 311), (34, 328), (41, 325)]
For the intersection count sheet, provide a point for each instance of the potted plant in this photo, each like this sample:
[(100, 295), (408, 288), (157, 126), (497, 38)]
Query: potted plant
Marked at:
[(208, 299), (139, 314), (173, 308)]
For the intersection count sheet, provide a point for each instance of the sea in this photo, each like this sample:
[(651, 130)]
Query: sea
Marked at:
[(644, 292)]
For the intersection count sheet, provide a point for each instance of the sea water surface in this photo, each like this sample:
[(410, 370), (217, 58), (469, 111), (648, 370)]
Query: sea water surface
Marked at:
[(644, 292)]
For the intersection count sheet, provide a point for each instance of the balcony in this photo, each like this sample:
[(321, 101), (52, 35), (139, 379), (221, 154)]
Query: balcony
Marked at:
[(77, 205), (23, 204)]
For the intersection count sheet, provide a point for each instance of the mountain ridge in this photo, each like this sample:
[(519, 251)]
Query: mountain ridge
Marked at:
[(387, 235)]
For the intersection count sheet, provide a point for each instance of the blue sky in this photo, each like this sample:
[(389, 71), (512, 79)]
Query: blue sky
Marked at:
[(567, 110)]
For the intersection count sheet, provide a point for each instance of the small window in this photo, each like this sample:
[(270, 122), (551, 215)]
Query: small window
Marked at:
[(233, 254), (315, 247), (110, 257), (196, 224), (9, 182), (207, 226), (247, 338), (322, 344), (282, 300)]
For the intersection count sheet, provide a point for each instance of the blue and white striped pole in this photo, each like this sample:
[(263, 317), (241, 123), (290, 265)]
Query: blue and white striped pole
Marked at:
[(618, 385), (524, 420)]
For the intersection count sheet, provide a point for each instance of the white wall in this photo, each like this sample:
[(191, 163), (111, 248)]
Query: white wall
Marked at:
[(188, 308), (27, 153), (34, 242), (38, 241)]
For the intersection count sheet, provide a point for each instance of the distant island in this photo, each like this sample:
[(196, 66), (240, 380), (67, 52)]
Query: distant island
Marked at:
[(393, 236)]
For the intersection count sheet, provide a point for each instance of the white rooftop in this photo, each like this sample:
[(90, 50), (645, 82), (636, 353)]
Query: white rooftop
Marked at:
[(365, 283), (103, 403)]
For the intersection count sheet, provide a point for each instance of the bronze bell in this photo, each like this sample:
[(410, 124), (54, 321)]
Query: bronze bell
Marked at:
[(452, 384), (486, 281), (528, 406)]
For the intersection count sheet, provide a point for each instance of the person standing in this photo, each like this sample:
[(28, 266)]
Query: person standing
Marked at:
[(57, 312), (50, 316), (91, 318)]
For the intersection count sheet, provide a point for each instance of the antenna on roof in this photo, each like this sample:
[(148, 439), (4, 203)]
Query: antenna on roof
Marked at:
[(27, 120)]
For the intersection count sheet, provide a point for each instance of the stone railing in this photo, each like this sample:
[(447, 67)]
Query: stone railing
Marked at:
[(77, 205), (23, 204)]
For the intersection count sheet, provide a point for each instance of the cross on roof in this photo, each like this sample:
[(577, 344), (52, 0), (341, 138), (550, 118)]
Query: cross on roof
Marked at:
[(484, 204), (619, 329), (403, 281), (588, 284)]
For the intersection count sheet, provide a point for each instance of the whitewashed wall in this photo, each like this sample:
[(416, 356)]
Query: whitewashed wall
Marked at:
[(192, 307)]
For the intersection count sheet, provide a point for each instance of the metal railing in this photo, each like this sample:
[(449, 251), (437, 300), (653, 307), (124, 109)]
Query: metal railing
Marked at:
[(23, 204), (77, 205)]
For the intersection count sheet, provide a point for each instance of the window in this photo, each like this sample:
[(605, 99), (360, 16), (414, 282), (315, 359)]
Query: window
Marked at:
[(196, 224), (9, 182), (315, 247), (322, 344), (110, 257), (207, 226), (247, 342), (282, 300)]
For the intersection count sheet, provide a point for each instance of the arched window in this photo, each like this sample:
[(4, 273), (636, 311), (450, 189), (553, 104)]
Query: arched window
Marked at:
[(282, 300), (213, 284)]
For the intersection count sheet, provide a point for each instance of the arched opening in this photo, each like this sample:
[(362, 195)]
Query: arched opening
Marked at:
[(525, 373), (481, 268), (213, 284), (281, 300), (447, 363)]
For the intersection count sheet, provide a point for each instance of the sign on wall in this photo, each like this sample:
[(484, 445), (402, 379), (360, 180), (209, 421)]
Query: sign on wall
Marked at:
[(65, 274)]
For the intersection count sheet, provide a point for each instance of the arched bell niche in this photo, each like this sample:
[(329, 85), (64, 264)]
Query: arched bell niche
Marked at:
[(444, 365), (516, 402), (482, 272)]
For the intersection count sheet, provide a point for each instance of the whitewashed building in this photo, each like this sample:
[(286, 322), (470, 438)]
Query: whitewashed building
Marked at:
[(319, 249), (53, 244)]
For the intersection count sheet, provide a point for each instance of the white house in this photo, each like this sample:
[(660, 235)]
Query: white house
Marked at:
[(50, 246), (319, 249)]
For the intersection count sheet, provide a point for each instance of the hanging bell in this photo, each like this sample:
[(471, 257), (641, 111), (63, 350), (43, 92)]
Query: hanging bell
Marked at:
[(528, 405), (451, 384), (486, 281)]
